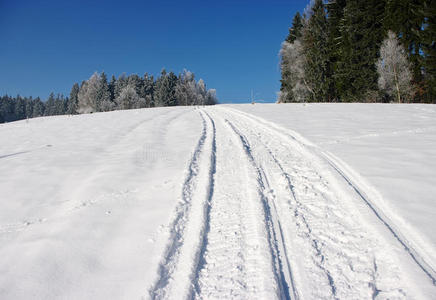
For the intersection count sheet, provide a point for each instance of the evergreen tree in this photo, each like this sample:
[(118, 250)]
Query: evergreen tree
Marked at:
[(73, 100), (29, 107), (112, 88), (295, 32), (148, 90), (315, 48), (104, 102), (406, 18), (38, 108), (50, 105), (59, 105), (164, 94), (429, 49), (335, 11), (119, 85), (136, 82), (20, 108), (361, 36)]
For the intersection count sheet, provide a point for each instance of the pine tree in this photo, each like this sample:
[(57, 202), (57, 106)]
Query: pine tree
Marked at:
[(164, 94), (335, 11), (119, 85), (112, 88), (104, 102), (295, 32), (38, 108), (406, 18), (429, 49), (315, 49), (361, 36), (73, 100), (148, 90), (20, 108), (50, 105), (29, 107)]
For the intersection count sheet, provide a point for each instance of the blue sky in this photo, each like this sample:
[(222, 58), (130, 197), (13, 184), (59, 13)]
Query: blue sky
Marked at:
[(48, 45)]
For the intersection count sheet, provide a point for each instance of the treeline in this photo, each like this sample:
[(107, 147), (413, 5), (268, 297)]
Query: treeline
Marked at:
[(97, 94), (361, 51)]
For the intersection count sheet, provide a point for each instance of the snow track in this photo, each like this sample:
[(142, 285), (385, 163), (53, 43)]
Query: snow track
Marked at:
[(262, 216), (178, 266)]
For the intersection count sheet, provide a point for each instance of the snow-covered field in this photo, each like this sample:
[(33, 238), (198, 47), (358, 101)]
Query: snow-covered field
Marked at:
[(232, 201)]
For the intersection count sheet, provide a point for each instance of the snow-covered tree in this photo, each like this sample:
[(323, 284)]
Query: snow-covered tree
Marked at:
[(88, 95), (298, 90), (104, 101), (185, 89), (165, 89), (211, 98), (129, 99), (394, 69)]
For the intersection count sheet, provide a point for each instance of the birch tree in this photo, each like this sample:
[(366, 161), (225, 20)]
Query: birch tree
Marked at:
[(394, 70)]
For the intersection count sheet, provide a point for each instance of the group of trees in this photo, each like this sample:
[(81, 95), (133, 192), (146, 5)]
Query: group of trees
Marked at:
[(127, 92), (97, 94), (361, 51), (19, 108)]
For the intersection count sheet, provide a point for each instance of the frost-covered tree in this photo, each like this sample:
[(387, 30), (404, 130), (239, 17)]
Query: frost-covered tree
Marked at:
[(201, 92), (94, 95), (129, 99), (297, 87), (88, 95), (147, 90), (295, 32), (120, 84), (185, 89), (394, 71), (38, 108), (211, 98)]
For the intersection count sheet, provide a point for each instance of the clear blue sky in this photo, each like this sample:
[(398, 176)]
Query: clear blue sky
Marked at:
[(48, 45)]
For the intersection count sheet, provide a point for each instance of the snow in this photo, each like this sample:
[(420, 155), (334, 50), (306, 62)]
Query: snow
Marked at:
[(234, 201), (392, 148)]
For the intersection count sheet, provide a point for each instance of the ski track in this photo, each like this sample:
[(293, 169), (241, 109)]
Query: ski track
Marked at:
[(259, 218), (339, 169), (178, 267)]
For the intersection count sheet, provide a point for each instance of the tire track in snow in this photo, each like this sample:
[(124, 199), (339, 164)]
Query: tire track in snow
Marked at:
[(280, 262), (330, 254), (387, 223), (236, 261), (179, 263)]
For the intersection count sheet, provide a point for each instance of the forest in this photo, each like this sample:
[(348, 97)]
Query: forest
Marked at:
[(361, 51), (98, 94)]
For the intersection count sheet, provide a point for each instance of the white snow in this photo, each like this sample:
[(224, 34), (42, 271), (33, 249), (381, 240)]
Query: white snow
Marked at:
[(234, 201)]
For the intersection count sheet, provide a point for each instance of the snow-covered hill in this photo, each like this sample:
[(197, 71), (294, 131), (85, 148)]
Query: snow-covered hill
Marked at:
[(249, 201)]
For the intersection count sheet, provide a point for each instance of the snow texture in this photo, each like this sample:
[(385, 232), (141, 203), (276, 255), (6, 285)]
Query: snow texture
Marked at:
[(220, 202)]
